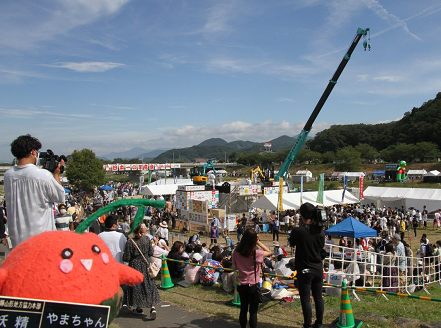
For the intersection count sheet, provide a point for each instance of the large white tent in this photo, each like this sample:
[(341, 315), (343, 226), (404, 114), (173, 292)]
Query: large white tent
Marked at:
[(163, 187), (292, 200), (407, 197)]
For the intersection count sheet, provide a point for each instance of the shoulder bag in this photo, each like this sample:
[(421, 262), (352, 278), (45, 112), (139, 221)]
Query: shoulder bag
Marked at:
[(153, 268), (261, 295)]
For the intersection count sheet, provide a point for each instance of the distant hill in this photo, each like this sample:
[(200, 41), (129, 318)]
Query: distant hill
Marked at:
[(213, 142), (219, 148), (137, 152), (418, 125)]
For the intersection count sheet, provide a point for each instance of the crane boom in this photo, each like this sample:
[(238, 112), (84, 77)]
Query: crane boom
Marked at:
[(307, 128)]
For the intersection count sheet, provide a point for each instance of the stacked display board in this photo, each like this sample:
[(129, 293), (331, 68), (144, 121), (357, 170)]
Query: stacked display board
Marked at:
[(194, 201)]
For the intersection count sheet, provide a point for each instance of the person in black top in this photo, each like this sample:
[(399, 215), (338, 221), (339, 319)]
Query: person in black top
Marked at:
[(309, 240)]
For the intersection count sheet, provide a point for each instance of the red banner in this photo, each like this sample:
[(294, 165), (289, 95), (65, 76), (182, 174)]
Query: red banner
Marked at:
[(361, 187)]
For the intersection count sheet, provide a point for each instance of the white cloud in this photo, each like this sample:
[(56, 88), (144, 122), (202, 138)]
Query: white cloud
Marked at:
[(25, 24), (392, 19), (389, 78), (95, 67)]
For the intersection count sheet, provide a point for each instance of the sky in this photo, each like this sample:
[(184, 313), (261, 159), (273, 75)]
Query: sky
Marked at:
[(110, 75)]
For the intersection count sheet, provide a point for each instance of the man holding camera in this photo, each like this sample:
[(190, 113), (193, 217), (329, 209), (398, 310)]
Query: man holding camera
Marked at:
[(30, 192), (309, 240)]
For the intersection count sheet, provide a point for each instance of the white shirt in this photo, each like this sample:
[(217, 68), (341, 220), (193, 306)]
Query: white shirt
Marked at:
[(30, 194), (162, 233), (62, 222), (116, 242)]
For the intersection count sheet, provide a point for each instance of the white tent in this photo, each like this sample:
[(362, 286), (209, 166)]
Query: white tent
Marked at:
[(418, 174), (433, 173), (407, 197), (162, 187), (306, 173), (292, 200), (156, 190)]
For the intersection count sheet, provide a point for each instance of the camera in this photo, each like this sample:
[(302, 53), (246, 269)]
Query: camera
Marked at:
[(319, 218), (50, 161)]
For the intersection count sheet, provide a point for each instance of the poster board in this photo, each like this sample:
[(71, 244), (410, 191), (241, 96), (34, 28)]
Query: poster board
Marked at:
[(183, 198), (20, 312), (274, 190)]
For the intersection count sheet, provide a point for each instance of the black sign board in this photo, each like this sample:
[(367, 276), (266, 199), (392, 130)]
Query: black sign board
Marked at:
[(31, 313)]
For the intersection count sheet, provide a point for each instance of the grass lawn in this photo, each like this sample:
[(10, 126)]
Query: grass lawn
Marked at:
[(373, 309)]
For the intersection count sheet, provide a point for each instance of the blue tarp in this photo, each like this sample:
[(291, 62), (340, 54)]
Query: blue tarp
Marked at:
[(66, 191), (379, 172), (351, 227), (106, 187)]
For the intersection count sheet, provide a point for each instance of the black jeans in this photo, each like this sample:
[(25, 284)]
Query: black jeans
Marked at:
[(247, 304), (307, 283), (275, 233)]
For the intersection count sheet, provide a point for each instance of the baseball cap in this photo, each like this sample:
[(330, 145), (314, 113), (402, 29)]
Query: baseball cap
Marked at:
[(197, 257), (396, 236)]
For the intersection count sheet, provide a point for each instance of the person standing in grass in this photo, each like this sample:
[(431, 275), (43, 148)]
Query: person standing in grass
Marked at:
[(247, 259)]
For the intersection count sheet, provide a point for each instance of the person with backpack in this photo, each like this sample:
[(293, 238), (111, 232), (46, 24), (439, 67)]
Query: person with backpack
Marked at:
[(240, 230)]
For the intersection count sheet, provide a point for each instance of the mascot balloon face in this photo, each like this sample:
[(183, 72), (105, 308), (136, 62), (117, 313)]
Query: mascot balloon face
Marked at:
[(401, 171), (67, 267)]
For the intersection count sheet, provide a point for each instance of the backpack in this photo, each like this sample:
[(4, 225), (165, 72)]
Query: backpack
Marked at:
[(430, 250), (232, 245), (407, 251)]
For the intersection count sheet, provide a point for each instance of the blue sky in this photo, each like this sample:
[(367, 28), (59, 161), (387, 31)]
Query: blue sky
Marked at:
[(110, 75)]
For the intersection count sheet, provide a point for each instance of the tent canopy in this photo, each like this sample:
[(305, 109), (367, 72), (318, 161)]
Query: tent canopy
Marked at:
[(292, 200), (351, 227), (106, 187), (433, 173), (157, 190), (379, 172), (407, 197), (416, 172)]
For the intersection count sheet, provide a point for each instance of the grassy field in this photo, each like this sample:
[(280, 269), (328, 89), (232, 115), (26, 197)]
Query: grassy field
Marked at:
[(374, 310)]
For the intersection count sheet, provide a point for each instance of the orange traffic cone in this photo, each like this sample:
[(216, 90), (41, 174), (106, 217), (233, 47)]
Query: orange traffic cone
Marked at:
[(166, 282), (346, 319)]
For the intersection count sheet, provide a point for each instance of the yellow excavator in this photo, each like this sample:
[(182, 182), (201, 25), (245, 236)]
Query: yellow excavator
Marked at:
[(260, 174), (199, 173)]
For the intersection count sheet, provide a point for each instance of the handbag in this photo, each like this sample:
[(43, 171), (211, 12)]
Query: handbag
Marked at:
[(261, 295), (153, 268)]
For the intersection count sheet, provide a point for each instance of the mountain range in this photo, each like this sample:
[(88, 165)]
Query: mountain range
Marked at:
[(210, 148), (137, 152)]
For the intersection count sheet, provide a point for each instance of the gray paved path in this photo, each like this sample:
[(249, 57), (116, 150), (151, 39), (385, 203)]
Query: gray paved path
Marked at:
[(171, 316)]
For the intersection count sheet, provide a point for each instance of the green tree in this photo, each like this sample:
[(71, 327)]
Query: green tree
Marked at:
[(348, 159), (367, 152), (426, 151), (308, 156), (232, 157), (328, 157), (84, 170)]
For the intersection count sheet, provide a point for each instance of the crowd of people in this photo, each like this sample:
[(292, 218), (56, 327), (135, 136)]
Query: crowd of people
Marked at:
[(192, 261)]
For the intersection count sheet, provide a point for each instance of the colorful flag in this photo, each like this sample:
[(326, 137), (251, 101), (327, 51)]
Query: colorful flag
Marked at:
[(321, 188), (344, 189), (361, 187)]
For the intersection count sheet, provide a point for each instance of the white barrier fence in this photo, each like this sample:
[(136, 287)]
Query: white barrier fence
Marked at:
[(368, 269), (386, 272)]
